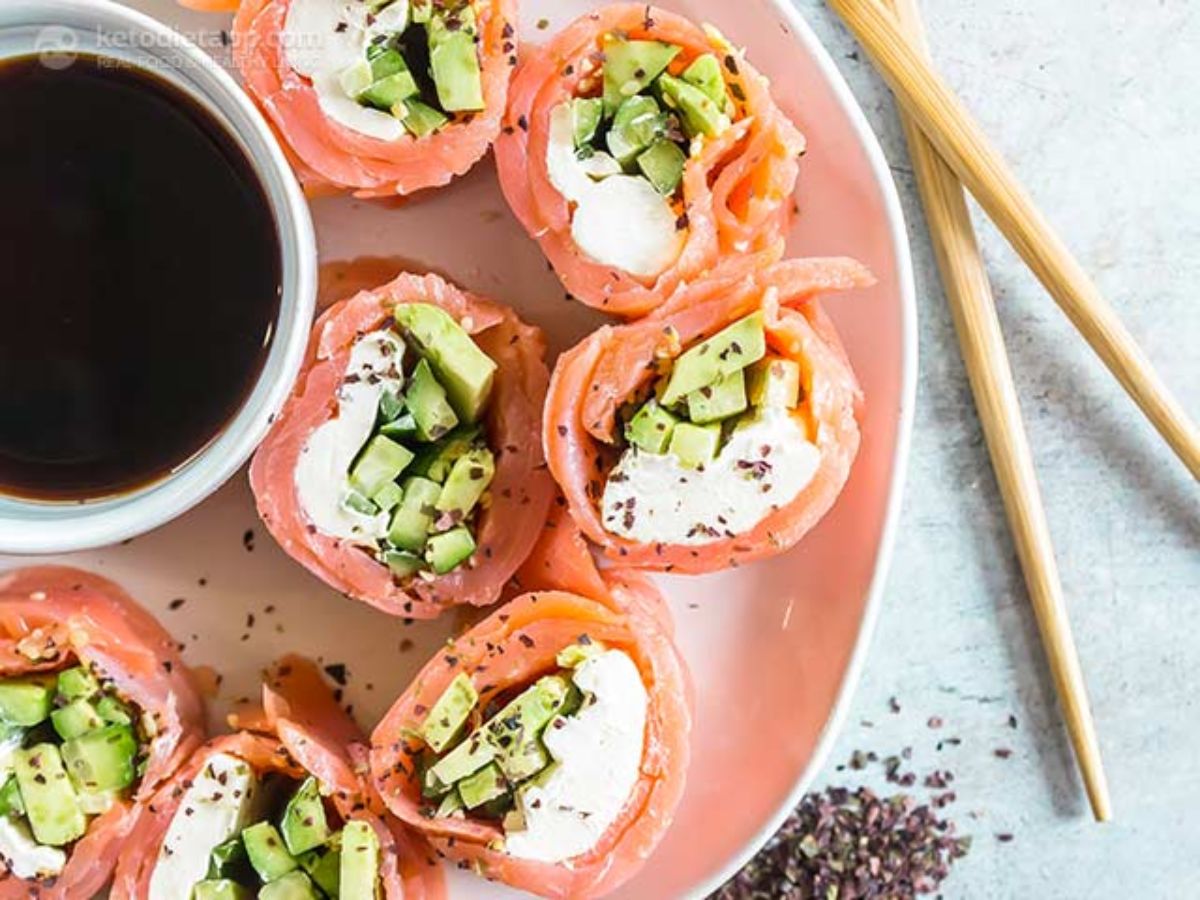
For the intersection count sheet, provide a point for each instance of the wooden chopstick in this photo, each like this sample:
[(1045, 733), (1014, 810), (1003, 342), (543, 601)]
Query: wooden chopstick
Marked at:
[(971, 302), (969, 153)]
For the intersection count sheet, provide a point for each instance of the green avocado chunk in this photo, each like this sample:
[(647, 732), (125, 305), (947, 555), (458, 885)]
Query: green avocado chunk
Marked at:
[(698, 112), (114, 711), (401, 428), (26, 701), (586, 115), (465, 370), (414, 516), (419, 118), (76, 718), (484, 786), (630, 67), (774, 381), (220, 889), (446, 551), (49, 799), (304, 825), (695, 445), (402, 563), (427, 400), (388, 497), (450, 804), (516, 730), (77, 683), (705, 73), (651, 427), (723, 398), (10, 798), (662, 163), (734, 347), (469, 477), (267, 853), (637, 123), (436, 462), (359, 869), (102, 760), (380, 461), (323, 865), (295, 885), (468, 757), (453, 61), (228, 860), (449, 713)]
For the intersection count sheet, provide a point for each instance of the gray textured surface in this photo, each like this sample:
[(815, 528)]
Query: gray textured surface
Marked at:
[(1095, 105)]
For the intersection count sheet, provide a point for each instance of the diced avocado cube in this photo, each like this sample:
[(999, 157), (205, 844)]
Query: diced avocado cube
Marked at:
[(26, 701), (420, 10), (49, 799), (323, 864), (220, 889), (387, 92), (723, 398), (229, 860), (516, 730), (453, 61), (359, 870), (469, 477), (485, 785), (385, 61), (356, 78), (468, 757), (419, 118), (295, 885), (662, 163), (380, 461), (414, 516), (402, 428), (574, 655), (449, 713), (586, 113), (304, 825), (356, 502), (465, 370), (388, 497), (427, 401), (705, 73), (402, 563), (650, 428), (102, 760), (447, 551), (114, 711), (267, 853), (774, 381), (76, 718), (637, 123), (695, 445), (630, 66), (77, 683), (436, 462), (391, 405), (93, 803), (450, 804), (734, 347), (10, 798), (698, 112)]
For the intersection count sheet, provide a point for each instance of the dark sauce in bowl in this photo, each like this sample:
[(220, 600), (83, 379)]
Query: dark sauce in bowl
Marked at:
[(140, 278)]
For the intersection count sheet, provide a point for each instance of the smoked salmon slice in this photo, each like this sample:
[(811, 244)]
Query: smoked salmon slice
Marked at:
[(331, 157), (519, 645), (53, 618), (594, 382), (299, 730), (519, 493), (735, 197)]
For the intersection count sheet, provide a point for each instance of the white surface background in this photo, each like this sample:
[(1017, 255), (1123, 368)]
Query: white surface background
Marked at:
[(1094, 103)]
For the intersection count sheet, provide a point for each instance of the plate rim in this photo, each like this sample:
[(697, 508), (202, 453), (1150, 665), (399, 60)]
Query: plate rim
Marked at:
[(804, 36)]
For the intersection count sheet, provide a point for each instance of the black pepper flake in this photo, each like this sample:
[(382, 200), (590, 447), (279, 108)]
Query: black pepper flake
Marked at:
[(337, 671), (176, 603), (248, 540), (523, 123), (525, 639)]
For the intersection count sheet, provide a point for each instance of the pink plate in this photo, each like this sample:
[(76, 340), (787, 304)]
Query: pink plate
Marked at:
[(775, 648)]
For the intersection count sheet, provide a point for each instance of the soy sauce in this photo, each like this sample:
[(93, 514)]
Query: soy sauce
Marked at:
[(140, 278)]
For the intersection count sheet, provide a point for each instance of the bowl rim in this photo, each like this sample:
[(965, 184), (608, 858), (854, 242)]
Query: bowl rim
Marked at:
[(33, 527), (808, 41)]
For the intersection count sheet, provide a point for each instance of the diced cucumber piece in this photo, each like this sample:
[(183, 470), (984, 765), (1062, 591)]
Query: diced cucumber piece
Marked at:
[(356, 78), (586, 114), (356, 502), (698, 112), (453, 61), (450, 549), (419, 118), (50, 801), (391, 405), (77, 683), (402, 563), (450, 804), (10, 798), (435, 462), (380, 461), (637, 123), (76, 718), (390, 91), (385, 61), (114, 711), (102, 760), (662, 163), (304, 825), (469, 477), (26, 701), (724, 398), (413, 518), (449, 713), (403, 427), (651, 427), (220, 889), (426, 399), (388, 496), (267, 853)]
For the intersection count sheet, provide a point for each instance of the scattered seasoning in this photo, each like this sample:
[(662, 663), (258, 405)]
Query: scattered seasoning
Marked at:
[(248, 540), (543, 24), (176, 603), (935, 722), (337, 671), (894, 705), (1002, 752)]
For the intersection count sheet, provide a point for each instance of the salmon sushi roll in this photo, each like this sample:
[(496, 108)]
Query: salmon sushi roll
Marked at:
[(405, 469), (97, 711), (547, 747), (714, 432), (640, 150), (280, 809), (378, 97)]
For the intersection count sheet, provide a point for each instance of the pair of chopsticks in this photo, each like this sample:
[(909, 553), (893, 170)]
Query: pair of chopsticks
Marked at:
[(950, 151)]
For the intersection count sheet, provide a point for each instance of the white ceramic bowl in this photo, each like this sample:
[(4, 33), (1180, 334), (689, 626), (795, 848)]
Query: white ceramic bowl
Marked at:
[(57, 29)]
